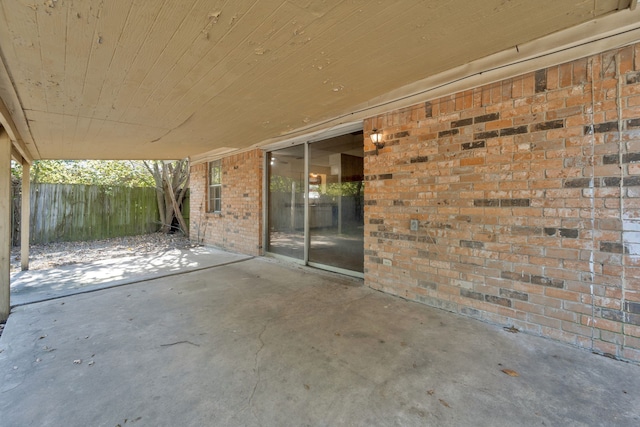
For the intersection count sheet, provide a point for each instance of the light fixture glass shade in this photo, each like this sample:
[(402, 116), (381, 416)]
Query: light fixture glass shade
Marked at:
[(376, 137)]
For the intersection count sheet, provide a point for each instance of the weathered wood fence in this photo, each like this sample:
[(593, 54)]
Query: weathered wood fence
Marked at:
[(70, 212)]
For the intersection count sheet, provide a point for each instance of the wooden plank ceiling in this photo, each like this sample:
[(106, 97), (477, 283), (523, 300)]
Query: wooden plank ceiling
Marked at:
[(140, 79)]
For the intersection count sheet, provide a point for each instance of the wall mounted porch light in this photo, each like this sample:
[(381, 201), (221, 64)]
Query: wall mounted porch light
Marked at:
[(376, 138)]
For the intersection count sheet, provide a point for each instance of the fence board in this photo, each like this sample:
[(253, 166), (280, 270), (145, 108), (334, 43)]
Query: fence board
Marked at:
[(69, 212)]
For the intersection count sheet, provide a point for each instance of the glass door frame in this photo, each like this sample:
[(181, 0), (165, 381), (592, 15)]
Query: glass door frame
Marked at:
[(307, 140)]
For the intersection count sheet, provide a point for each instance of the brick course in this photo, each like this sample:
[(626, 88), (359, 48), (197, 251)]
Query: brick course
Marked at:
[(238, 227), (527, 196)]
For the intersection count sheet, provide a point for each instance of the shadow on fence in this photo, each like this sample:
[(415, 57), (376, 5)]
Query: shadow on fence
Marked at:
[(71, 212)]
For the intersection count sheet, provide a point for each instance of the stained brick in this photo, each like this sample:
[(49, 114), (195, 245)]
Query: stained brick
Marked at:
[(613, 247), (402, 134), (541, 80), (631, 158), (577, 183), (610, 159), (613, 159), (601, 128), (486, 202), (470, 294), (514, 130), (610, 314), (553, 124), (611, 181), (631, 181), (427, 285), (633, 123), (632, 307), (471, 244), (569, 233), (547, 281), (419, 159), (486, 135), (633, 78), (428, 109), (450, 132), (460, 123), (473, 145), (497, 300), (633, 319), (520, 277), (525, 230), (509, 293), (486, 118), (514, 202)]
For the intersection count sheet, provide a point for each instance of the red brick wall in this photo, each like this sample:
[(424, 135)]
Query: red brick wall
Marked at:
[(238, 227), (526, 194)]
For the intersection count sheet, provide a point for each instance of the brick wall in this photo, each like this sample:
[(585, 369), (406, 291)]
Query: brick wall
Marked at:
[(238, 227), (526, 195)]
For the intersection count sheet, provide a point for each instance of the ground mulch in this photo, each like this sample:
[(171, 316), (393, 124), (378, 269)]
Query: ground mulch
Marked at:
[(51, 255)]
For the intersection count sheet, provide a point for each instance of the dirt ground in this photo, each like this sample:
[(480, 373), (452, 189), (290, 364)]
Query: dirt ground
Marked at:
[(51, 255)]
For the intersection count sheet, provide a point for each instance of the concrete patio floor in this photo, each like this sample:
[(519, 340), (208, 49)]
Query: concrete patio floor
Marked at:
[(260, 343)]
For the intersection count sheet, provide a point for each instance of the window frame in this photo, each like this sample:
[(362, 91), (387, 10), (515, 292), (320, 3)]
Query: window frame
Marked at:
[(214, 187)]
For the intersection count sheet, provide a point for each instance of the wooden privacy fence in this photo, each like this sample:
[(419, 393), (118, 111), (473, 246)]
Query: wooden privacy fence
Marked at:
[(71, 212)]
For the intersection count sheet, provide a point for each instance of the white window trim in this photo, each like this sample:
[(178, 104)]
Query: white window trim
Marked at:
[(211, 201)]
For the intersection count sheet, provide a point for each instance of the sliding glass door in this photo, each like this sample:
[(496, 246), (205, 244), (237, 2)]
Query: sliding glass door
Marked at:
[(286, 202), (332, 195)]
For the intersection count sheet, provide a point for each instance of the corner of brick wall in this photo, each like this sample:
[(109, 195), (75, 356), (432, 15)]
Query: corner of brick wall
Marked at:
[(238, 227), (526, 194)]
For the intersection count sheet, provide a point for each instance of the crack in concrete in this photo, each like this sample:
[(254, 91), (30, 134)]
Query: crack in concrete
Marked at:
[(256, 368), (179, 342)]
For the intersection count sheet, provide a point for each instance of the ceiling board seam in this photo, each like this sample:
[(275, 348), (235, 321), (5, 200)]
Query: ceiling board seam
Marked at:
[(284, 59), (324, 48), (113, 54), (126, 108), (238, 75), (363, 22), (66, 141), (86, 69), (224, 57), (46, 98), (124, 25), (134, 61), (101, 120), (159, 85), (144, 42)]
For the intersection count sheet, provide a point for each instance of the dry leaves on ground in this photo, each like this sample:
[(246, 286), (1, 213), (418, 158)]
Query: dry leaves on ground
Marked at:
[(51, 255)]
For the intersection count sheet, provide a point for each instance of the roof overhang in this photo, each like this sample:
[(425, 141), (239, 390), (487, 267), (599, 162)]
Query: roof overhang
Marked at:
[(122, 80)]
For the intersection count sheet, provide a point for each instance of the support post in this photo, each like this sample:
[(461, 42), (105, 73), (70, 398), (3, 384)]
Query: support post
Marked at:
[(25, 211), (5, 223)]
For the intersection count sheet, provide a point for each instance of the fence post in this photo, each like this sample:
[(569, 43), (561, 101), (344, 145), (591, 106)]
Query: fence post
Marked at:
[(25, 213), (5, 223)]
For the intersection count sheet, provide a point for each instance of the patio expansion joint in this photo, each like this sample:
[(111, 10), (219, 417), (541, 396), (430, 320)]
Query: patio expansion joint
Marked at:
[(117, 284)]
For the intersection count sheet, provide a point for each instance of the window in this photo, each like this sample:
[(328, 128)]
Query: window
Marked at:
[(215, 186)]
